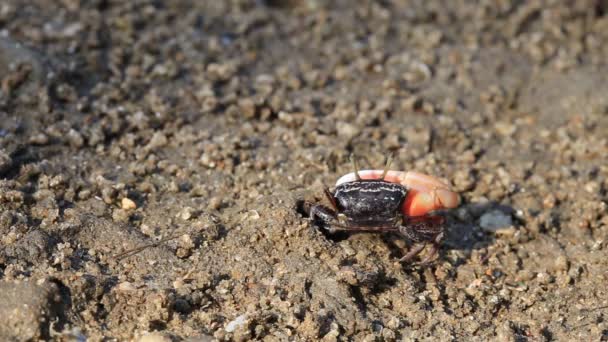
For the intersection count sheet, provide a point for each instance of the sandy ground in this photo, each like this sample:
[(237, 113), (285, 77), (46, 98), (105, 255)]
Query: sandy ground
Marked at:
[(124, 124)]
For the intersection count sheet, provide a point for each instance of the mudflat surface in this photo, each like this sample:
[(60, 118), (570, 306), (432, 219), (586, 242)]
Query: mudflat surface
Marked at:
[(194, 129)]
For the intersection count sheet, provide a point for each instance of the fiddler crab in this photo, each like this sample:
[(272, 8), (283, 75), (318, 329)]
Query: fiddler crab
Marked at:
[(388, 201)]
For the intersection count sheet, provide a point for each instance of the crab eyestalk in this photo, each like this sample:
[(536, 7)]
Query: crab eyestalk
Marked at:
[(427, 193), (389, 160), (353, 160)]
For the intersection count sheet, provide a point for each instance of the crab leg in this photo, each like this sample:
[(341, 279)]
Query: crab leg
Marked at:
[(426, 194)]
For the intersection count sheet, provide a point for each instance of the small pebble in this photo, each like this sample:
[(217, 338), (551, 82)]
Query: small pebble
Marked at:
[(75, 138), (495, 220), (505, 129), (247, 107), (158, 140), (186, 213), (411, 104), (154, 337), (215, 203), (127, 204), (549, 201), (347, 130), (561, 264), (126, 286), (120, 215), (39, 139), (236, 323)]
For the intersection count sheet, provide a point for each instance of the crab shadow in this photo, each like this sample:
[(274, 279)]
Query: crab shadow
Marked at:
[(464, 231)]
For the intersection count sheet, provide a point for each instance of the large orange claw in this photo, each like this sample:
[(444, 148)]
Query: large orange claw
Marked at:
[(427, 193)]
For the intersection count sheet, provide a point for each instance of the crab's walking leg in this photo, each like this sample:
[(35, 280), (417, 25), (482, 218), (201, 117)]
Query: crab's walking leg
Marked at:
[(349, 228), (434, 249), (324, 215), (331, 198), (353, 160), (416, 249), (420, 230)]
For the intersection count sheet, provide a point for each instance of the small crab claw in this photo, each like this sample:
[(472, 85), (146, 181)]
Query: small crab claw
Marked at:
[(426, 194)]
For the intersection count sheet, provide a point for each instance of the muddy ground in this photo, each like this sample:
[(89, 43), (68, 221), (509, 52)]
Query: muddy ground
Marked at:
[(196, 128)]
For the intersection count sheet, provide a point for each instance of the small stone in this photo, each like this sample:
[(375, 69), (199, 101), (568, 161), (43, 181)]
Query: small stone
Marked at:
[(220, 72), (464, 180), (253, 215), (126, 286), (348, 275), (388, 334), (186, 213), (186, 242), (84, 194), (236, 323), (544, 278), (394, 323), (108, 194), (247, 107), (419, 72), (391, 142), (348, 250), (450, 105), (411, 103), (592, 187), (207, 161), (564, 280), (495, 220), (505, 129), (6, 219), (347, 130), (146, 229), (39, 139), (428, 108), (173, 187), (200, 338), (215, 203), (525, 275), (75, 139), (120, 215), (208, 104), (154, 337), (158, 140), (561, 264), (127, 204), (549, 201)]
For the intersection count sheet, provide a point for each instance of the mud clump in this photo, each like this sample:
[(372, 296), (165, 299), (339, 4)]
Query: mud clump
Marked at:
[(27, 310), (154, 156)]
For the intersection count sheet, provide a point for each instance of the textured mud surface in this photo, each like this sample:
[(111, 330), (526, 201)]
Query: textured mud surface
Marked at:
[(124, 123)]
